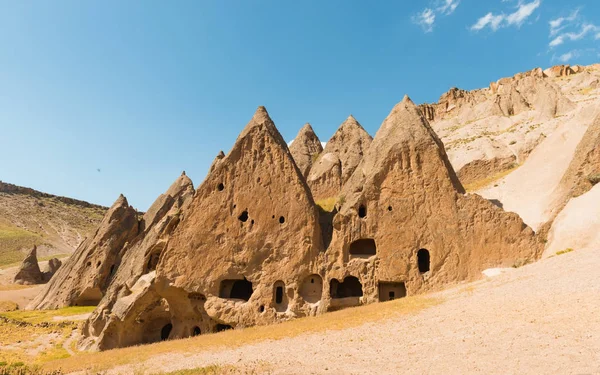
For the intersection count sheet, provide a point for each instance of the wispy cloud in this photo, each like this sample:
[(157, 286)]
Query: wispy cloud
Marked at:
[(426, 18), (566, 57), (558, 24), (516, 18), (524, 10), (488, 20), (586, 28), (448, 7)]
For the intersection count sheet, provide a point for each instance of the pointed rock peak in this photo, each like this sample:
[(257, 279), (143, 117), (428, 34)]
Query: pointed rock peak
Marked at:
[(32, 253), (261, 123), (220, 156), (120, 202), (181, 184), (306, 132), (261, 117), (183, 173), (350, 121), (307, 128), (259, 120), (407, 100)]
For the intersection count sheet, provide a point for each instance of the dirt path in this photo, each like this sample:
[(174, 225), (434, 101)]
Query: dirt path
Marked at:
[(539, 319)]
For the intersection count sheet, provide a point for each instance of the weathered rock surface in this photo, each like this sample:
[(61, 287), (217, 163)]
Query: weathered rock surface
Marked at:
[(584, 171), (491, 130), (248, 247), (29, 273), (50, 269), (252, 226), (406, 227), (157, 224), (305, 149), (342, 154), (85, 276)]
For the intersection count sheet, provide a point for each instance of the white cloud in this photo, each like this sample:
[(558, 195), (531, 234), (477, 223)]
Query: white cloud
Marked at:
[(516, 18), (564, 58), (585, 29), (558, 24), (448, 7), (524, 10), (425, 19), (488, 19)]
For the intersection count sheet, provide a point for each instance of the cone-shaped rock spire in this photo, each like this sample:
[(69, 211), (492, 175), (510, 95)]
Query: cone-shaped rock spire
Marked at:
[(305, 148), (339, 159), (84, 277), (405, 197)]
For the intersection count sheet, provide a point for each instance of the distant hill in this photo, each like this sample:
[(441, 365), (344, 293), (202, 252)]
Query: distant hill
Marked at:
[(55, 224)]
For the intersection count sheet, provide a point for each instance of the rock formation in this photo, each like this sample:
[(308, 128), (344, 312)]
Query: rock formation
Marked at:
[(584, 171), (142, 257), (248, 249), (405, 225), (85, 276), (339, 159), (252, 224), (492, 130), (29, 273), (305, 149)]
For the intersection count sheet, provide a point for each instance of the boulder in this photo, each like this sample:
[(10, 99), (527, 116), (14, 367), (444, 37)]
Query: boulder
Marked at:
[(29, 273), (85, 276), (305, 148), (342, 154)]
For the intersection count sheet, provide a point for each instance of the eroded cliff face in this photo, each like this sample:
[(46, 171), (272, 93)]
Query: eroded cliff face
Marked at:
[(248, 248), (140, 258), (86, 275), (491, 130), (405, 224)]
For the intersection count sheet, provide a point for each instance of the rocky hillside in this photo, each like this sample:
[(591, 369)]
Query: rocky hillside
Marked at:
[(55, 224)]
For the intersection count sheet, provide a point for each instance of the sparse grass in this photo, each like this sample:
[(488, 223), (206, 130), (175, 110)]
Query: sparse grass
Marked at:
[(484, 182), (520, 263), (6, 306), (561, 252), (337, 320), (40, 316), (13, 240), (327, 204), (20, 368), (586, 90), (260, 368)]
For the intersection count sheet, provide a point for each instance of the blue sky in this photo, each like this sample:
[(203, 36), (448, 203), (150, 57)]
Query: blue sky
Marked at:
[(108, 97)]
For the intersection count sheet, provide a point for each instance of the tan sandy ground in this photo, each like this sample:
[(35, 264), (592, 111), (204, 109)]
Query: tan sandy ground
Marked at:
[(543, 318)]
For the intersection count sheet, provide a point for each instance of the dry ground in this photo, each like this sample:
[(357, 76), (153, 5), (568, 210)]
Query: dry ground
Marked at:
[(542, 318)]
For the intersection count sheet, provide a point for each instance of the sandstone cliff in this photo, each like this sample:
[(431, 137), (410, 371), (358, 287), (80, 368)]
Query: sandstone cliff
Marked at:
[(405, 225), (248, 248), (141, 258), (85, 276)]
